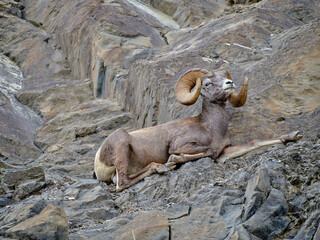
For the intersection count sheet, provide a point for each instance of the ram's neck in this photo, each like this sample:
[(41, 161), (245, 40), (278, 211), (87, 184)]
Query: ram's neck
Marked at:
[(214, 116)]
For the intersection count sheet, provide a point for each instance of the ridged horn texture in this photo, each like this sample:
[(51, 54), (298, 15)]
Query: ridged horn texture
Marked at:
[(192, 79), (239, 99)]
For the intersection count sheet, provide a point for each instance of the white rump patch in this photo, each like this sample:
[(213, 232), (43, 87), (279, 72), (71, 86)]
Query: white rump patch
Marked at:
[(103, 172)]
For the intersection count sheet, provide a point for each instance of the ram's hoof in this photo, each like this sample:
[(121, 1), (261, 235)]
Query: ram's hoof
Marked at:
[(171, 158), (166, 167), (175, 158), (119, 189), (171, 165), (292, 137), (295, 136)]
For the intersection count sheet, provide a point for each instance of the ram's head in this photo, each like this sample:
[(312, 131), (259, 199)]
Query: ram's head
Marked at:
[(215, 86)]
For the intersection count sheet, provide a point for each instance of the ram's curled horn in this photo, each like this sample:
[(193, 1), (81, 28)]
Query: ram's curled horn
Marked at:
[(239, 99), (192, 79)]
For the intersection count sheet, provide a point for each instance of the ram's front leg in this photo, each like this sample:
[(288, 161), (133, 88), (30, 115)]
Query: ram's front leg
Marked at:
[(237, 151), (182, 158)]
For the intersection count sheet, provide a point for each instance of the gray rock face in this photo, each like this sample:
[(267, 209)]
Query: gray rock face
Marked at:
[(18, 176), (317, 235), (257, 190), (308, 229), (72, 72), (27, 189), (189, 12), (17, 122), (270, 217)]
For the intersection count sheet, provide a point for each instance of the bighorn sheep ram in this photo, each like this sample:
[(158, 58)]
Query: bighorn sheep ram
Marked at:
[(126, 158)]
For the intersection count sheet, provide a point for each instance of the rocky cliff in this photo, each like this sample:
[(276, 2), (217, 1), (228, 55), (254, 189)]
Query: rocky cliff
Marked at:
[(71, 72)]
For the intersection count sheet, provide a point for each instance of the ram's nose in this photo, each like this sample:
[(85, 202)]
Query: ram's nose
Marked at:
[(230, 83)]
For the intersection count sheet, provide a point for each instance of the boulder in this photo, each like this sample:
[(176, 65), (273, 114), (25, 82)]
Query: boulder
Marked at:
[(17, 213), (51, 224), (257, 191), (271, 217)]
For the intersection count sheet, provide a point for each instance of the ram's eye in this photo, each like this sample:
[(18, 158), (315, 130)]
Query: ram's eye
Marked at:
[(208, 83)]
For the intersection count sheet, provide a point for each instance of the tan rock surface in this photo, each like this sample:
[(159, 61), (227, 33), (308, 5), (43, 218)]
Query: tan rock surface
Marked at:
[(151, 225), (51, 223)]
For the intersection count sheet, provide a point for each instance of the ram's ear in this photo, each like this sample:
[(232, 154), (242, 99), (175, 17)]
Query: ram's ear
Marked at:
[(227, 75), (239, 99)]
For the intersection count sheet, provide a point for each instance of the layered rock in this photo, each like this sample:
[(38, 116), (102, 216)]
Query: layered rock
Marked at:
[(257, 41), (256, 44), (189, 12)]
